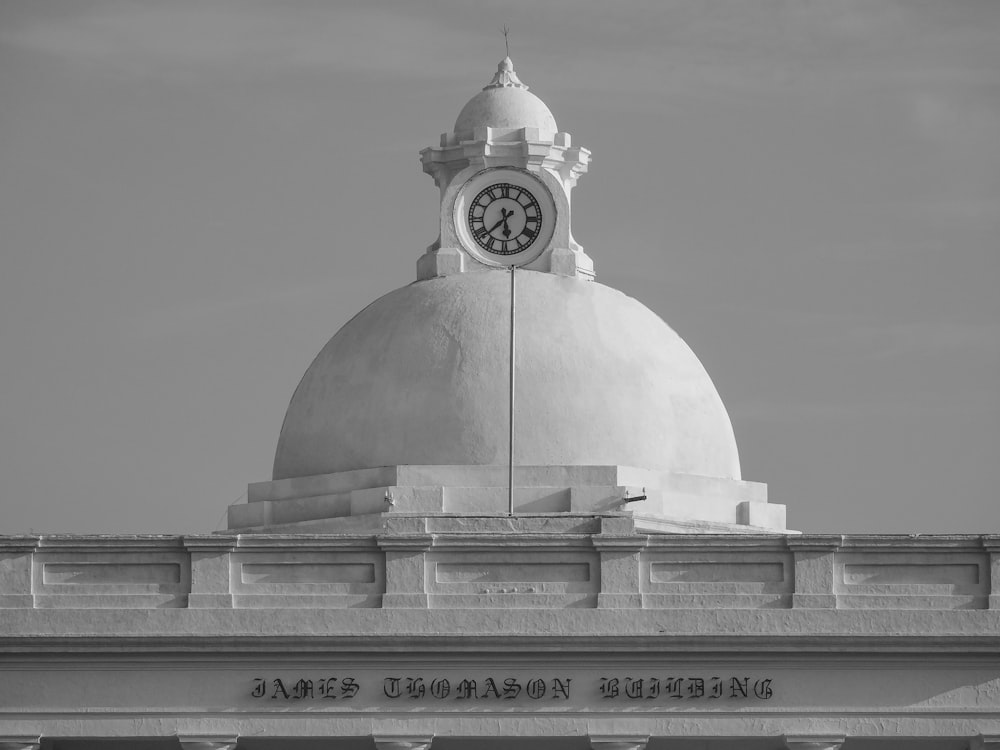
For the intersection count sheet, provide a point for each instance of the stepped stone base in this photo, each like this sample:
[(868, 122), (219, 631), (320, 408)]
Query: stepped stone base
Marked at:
[(660, 502)]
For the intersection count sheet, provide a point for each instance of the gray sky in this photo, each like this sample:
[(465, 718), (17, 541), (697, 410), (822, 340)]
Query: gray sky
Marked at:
[(193, 199)]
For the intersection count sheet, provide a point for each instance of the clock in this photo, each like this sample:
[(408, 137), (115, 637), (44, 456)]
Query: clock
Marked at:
[(505, 217)]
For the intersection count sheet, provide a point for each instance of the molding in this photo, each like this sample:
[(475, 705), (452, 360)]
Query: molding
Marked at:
[(402, 741), (12, 544), (813, 741), (798, 648), (21, 742), (207, 741), (815, 542), (985, 742), (210, 542), (405, 543), (618, 742)]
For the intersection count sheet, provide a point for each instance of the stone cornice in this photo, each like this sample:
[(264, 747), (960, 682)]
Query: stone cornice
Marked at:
[(679, 628), (605, 650), (152, 542)]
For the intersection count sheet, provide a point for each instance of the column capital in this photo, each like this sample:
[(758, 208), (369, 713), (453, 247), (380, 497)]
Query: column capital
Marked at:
[(20, 742), (207, 741), (813, 741), (402, 741), (618, 741)]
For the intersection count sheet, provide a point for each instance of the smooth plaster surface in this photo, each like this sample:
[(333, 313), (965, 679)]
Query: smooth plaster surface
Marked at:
[(420, 376), (505, 107)]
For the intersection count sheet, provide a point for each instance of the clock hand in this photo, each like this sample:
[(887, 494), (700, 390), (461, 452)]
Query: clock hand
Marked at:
[(506, 229), (505, 214)]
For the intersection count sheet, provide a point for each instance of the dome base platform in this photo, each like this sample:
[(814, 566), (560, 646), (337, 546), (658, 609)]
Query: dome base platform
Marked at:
[(657, 501)]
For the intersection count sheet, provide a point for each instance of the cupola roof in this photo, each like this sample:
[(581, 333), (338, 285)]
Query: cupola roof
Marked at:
[(505, 102)]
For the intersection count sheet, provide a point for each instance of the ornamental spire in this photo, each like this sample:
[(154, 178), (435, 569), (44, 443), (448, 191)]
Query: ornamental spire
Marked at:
[(505, 77)]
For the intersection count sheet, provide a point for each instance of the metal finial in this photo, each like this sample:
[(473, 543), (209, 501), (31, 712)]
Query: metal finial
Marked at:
[(506, 43), (505, 75)]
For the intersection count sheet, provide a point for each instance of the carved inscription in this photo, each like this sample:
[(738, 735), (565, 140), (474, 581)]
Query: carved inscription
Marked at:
[(527, 689), (495, 688), (325, 688), (685, 688)]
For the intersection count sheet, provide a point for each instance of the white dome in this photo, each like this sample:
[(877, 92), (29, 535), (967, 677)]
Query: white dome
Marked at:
[(505, 107), (420, 376)]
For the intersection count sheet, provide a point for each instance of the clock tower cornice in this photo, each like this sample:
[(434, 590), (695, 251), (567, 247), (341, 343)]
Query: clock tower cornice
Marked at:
[(522, 148)]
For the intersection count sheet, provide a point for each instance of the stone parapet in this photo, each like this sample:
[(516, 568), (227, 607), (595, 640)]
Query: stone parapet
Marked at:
[(540, 561)]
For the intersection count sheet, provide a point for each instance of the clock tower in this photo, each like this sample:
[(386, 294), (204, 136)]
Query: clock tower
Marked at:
[(505, 174)]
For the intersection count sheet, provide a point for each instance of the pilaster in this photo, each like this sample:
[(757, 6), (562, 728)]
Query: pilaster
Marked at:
[(210, 571), (15, 572), (621, 570), (992, 544), (405, 570), (814, 570)]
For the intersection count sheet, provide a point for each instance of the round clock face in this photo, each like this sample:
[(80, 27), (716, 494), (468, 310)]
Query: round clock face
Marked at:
[(505, 219), (505, 216)]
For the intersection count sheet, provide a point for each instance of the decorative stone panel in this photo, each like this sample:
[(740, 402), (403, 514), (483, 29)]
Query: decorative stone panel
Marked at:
[(474, 575), (941, 573), (307, 573), (110, 572), (739, 574)]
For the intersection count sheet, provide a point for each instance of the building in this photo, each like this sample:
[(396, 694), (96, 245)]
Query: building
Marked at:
[(506, 511)]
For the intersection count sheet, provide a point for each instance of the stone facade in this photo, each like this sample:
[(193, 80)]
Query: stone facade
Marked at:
[(459, 629)]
